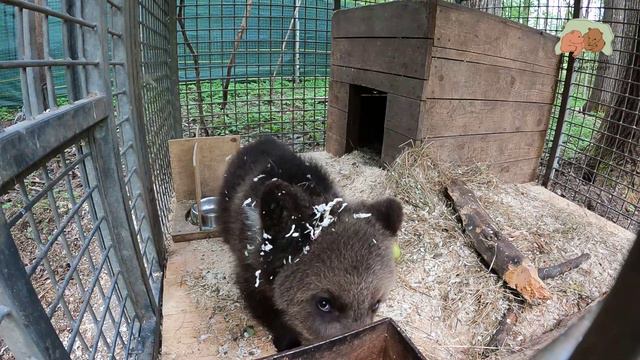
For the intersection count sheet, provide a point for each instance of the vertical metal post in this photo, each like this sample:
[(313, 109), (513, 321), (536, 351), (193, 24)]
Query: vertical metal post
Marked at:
[(336, 4), (32, 51), (556, 153), (564, 101), (25, 325), (173, 67), (296, 42), (108, 167), (134, 129)]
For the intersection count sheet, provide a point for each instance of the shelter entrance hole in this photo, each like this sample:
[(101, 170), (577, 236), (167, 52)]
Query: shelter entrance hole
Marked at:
[(365, 120)]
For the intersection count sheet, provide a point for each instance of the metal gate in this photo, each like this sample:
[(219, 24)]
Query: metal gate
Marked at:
[(81, 241)]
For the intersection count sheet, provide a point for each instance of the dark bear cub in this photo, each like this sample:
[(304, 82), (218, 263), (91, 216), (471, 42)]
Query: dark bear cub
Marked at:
[(310, 264)]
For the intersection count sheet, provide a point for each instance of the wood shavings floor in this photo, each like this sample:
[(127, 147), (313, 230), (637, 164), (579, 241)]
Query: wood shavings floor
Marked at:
[(445, 299)]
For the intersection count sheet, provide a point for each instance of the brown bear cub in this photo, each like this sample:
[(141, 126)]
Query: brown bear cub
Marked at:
[(310, 265)]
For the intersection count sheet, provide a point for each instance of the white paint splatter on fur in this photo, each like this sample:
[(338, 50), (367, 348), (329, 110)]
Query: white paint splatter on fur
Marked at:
[(258, 277), (306, 249), (246, 202), (265, 235), (259, 177), (293, 228), (266, 246), (361, 216), (342, 207)]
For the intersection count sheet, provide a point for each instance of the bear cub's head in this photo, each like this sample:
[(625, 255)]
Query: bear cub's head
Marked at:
[(335, 259)]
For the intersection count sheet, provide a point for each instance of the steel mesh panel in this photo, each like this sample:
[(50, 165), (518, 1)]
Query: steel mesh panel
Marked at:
[(159, 80), (266, 73), (128, 146), (64, 245), (62, 209)]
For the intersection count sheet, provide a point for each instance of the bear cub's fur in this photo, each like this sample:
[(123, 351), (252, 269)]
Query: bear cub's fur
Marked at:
[(311, 265)]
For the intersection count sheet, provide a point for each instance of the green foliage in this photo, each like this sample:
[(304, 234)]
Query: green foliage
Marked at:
[(8, 113), (517, 10), (260, 106)]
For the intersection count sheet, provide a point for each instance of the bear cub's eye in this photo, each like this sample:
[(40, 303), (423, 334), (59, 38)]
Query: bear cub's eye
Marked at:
[(324, 304), (375, 306)]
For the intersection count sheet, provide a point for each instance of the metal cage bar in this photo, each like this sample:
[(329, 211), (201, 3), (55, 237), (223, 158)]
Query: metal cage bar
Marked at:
[(93, 149)]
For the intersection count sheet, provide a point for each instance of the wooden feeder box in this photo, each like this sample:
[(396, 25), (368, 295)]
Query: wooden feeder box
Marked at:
[(479, 88), (381, 340), (197, 169)]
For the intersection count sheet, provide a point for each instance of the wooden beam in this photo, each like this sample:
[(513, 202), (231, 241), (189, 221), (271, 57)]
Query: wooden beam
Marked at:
[(395, 20)]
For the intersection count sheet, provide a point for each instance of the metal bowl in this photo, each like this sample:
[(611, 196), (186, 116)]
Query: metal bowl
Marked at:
[(209, 206)]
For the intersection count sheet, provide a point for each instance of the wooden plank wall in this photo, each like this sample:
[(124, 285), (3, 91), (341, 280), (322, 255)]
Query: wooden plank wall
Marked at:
[(491, 88), (386, 47)]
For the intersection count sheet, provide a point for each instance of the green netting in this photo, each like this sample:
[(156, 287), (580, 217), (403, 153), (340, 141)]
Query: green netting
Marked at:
[(212, 29), (10, 91), (10, 94)]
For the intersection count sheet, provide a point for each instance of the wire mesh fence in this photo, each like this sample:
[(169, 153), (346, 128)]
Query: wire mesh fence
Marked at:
[(81, 240)]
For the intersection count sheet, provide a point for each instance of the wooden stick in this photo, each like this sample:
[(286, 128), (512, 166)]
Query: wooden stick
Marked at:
[(556, 270), (507, 323), (501, 255)]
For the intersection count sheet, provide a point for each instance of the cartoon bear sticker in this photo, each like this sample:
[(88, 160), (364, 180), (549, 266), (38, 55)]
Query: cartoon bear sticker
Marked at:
[(572, 42), (593, 40), (581, 35)]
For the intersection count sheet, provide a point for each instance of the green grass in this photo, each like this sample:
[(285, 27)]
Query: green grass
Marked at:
[(579, 128), (259, 106)]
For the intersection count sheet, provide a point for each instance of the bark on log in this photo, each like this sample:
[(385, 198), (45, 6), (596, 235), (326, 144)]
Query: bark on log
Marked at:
[(502, 256), (556, 270)]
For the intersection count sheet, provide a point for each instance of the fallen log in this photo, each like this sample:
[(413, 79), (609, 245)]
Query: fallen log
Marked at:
[(502, 256)]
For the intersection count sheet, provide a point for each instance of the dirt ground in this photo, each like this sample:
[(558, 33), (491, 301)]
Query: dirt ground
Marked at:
[(444, 298)]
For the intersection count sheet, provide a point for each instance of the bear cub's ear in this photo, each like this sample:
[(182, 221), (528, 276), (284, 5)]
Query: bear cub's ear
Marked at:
[(387, 212), (279, 202)]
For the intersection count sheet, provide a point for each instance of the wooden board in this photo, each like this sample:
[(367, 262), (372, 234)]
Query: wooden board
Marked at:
[(461, 28), (191, 332), (393, 144), (394, 19), (405, 116), (406, 57), (339, 95), (182, 230), (491, 148), (516, 172), (337, 122), (445, 117), (451, 79), (334, 144), (389, 83), (213, 152), (490, 59)]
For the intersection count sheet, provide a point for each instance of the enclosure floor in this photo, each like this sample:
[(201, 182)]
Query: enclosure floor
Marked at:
[(204, 317), (188, 331)]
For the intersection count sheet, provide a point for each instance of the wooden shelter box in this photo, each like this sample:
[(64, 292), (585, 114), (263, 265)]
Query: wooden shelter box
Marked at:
[(479, 88)]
